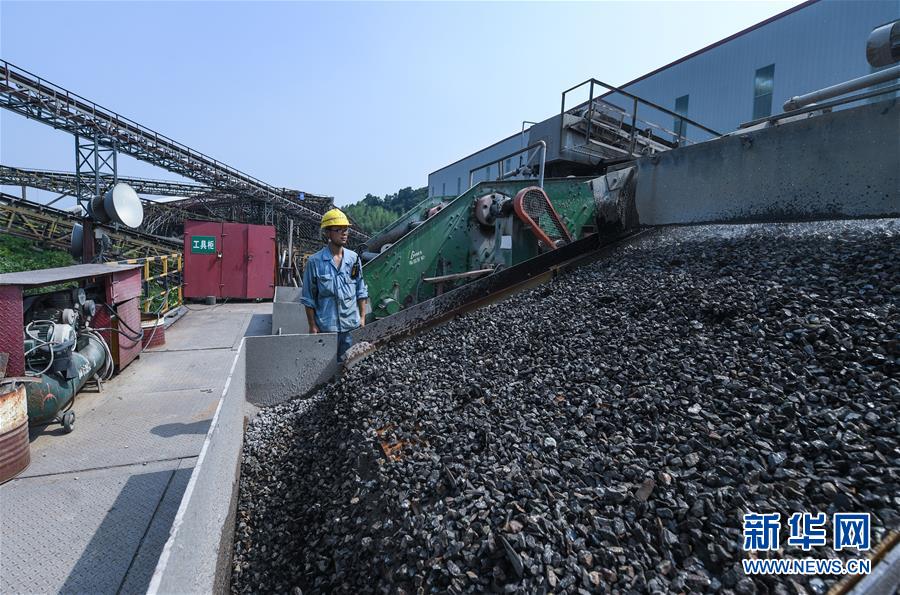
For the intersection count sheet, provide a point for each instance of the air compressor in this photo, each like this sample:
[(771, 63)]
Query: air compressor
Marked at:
[(62, 353)]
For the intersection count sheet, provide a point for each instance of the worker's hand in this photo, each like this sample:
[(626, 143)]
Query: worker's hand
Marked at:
[(313, 329), (362, 321)]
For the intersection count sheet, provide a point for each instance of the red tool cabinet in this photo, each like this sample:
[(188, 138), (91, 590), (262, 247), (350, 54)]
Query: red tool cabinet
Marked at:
[(228, 260)]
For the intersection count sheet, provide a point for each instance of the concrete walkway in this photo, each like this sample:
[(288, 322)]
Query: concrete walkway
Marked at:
[(93, 511)]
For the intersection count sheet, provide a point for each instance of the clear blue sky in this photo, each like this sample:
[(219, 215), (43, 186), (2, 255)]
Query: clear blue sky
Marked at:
[(337, 98)]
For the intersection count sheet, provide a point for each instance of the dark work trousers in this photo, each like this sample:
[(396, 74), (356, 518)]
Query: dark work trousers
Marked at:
[(344, 343)]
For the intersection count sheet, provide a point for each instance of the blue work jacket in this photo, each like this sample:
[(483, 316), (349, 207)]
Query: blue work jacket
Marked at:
[(332, 292)]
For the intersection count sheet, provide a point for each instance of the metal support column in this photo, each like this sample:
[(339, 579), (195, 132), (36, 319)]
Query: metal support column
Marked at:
[(95, 164)]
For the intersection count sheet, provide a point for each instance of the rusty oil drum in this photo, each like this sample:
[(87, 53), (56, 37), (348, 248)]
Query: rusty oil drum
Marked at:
[(15, 452)]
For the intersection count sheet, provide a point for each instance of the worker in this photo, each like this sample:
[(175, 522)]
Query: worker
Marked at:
[(334, 292)]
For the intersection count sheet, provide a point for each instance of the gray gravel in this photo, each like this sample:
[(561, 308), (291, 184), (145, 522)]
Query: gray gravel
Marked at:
[(603, 433)]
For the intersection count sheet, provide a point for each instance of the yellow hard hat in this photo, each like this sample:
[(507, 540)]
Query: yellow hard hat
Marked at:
[(334, 218)]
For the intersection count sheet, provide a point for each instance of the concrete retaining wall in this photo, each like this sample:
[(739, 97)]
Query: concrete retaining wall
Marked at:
[(288, 314), (266, 370), (838, 165), (884, 578), (197, 556), (280, 368)]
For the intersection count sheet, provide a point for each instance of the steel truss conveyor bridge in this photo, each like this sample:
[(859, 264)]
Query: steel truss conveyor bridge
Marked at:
[(65, 182), (100, 131), (160, 218)]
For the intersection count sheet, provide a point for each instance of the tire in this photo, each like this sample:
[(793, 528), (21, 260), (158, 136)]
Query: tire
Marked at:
[(68, 421)]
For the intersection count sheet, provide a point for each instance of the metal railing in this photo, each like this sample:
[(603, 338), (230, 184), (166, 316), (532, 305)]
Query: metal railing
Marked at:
[(162, 282), (825, 106), (883, 76), (501, 174), (629, 132)]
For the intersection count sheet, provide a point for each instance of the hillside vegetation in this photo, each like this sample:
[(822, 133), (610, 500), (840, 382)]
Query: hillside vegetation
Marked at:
[(19, 254), (374, 213)]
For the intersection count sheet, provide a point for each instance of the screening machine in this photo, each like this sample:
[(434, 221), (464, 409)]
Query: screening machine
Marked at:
[(491, 227)]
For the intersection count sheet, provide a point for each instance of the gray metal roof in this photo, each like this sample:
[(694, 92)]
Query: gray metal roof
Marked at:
[(62, 274)]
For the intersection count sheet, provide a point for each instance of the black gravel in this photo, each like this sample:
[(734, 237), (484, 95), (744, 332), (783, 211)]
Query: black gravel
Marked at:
[(603, 433)]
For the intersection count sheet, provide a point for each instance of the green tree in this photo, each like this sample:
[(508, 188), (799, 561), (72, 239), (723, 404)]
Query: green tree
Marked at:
[(374, 213), (372, 201), (370, 218)]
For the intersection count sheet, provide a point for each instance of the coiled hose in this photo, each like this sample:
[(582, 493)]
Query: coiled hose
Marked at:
[(106, 372), (42, 343)]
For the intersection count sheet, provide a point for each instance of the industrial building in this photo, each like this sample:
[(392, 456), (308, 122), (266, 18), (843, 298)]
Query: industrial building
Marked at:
[(741, 78)]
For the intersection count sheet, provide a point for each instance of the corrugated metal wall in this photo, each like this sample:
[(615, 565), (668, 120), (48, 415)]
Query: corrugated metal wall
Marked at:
[(820, 45), (453, 180), (814, 47)]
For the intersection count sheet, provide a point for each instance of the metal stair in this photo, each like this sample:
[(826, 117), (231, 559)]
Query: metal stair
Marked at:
[(599, 128)]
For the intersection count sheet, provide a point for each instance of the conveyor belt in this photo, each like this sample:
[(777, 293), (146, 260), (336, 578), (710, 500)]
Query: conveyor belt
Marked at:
[(53, 227), (27, 94)]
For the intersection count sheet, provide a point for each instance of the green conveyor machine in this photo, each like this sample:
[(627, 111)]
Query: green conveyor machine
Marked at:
[(440, 245)]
